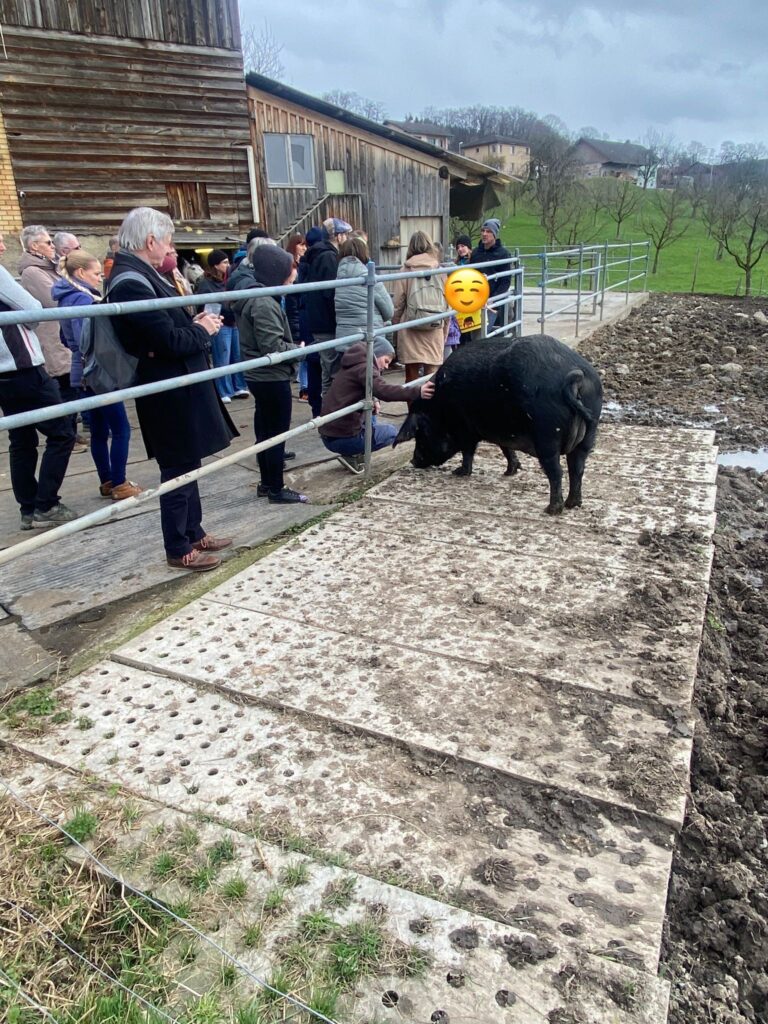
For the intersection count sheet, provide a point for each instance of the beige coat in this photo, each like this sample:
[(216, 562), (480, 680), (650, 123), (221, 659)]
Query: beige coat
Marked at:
[(415, 346), (38, 275)]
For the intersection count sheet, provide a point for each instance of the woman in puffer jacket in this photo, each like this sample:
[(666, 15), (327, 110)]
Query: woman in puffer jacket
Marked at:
[(352, 303)]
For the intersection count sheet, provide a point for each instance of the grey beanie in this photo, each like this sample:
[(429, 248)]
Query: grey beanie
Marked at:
[(494, 225), (382, 347), (271, 265)]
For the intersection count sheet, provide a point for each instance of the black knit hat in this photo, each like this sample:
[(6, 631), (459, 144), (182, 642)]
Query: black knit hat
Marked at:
[(463, 240), (271, 265), (216, 256)]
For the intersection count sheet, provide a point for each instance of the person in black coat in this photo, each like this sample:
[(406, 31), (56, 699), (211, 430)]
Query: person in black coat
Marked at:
[(179, 427), (322, 260), (490, 248)]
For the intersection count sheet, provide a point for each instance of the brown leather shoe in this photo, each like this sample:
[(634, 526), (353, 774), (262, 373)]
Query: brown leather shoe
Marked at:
[(195, 561), (209, 543), (128, 489)]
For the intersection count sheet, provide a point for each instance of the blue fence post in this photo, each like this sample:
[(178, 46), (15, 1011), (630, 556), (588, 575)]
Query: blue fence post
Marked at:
[(369, 340)]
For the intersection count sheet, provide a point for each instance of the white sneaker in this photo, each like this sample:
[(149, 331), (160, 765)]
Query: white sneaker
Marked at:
[(227, 401)]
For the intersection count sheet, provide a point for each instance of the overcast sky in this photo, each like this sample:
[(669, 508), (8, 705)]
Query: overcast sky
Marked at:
[(698, 70)]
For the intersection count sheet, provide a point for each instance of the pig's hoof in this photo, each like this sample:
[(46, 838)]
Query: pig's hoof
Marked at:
[(572, 502), (554, 509), (462, 472)]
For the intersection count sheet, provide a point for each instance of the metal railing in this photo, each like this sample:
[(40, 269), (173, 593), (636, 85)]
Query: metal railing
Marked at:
[(512, 296), (583, 274)]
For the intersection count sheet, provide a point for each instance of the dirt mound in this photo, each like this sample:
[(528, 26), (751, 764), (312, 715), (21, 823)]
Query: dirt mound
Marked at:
[(703, 362)]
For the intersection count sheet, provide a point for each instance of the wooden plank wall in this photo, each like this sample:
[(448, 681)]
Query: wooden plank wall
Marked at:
[(98, 125), (192, 22), (392, 181)]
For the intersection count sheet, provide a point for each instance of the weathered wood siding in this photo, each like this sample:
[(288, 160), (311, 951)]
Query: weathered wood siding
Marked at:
[(384, 181), (97, 125), (193, 22)]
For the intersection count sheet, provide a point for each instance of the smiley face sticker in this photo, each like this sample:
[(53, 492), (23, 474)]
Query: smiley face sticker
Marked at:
[(467, 290)]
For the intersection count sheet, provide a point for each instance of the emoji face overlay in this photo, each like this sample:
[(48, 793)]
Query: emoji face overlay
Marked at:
[(467, 290)]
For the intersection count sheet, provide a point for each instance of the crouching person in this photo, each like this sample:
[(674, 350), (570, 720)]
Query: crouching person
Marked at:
[(345, 436)]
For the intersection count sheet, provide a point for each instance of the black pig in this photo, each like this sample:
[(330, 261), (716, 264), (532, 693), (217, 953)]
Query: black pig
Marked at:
[(532, 395)]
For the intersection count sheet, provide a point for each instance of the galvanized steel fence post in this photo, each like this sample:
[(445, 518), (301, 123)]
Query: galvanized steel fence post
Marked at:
[(647, 262), (605, 275), (544, 274), (578, 286), (370, 284), (629, 273), (518, 303)]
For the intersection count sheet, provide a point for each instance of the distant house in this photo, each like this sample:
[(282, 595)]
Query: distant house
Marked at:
[(314, 160), (600, 159), (435, 134), (107, 106), (613, 160), (510, 155)]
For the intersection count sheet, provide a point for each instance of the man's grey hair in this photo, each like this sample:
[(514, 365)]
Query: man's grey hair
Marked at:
[(30, 234), (61, 238), (254, 244), (139, 224)]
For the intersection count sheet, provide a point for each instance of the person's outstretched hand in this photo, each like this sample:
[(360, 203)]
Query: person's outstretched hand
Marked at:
[(428, 389)]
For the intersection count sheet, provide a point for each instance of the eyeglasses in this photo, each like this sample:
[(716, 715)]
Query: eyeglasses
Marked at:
[(47, 241)]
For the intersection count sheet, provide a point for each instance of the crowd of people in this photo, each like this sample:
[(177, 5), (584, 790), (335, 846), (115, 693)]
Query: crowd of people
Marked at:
[(41, 365)]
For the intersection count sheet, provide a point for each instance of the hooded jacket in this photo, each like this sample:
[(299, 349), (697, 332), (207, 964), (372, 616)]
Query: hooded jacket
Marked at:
[(322, 263), (263, 328), (66, 294), (19, 345), (348, 387), (352, 303), (38, 275)]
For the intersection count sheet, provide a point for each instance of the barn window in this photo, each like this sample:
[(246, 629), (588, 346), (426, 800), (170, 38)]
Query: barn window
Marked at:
[(290, 160), (187, 200)]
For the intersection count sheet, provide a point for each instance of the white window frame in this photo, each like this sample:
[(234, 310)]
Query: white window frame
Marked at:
[(287, 136)]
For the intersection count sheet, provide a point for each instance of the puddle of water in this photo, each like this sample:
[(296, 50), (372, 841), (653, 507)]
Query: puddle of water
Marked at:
[(745, 460)]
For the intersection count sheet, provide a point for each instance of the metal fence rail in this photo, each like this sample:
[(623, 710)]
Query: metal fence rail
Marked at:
[(513, 295)]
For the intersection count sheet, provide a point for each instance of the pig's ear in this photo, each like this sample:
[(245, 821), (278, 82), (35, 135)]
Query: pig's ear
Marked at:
[(408, 430)]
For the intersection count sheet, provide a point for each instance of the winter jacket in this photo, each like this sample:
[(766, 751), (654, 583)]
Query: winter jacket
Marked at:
[(20, 346), (187, 424), (210, 286), (497, 252), (264, 329), (352, 303), (348, 387), (66, 294), (418, 346), (38, 275), (322, 262)]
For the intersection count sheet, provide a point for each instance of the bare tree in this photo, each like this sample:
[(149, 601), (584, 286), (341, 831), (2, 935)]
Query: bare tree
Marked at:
[(736, 214), (619, 197), (356, 104), (262, 52), (666, 218), (660, 151), (576, 222), (553, 175)]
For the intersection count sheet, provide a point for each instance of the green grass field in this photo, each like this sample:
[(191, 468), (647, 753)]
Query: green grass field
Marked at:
[(676, 263)]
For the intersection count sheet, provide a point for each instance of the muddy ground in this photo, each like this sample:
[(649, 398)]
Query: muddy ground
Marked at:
[(704, 362)]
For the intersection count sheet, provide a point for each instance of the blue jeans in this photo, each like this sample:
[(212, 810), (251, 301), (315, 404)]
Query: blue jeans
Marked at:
[(225, 347), (302, 375), (383, 435), (110, 459)]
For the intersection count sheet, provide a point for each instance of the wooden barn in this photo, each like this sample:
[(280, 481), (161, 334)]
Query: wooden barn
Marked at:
[(110, 104), (314, 160)]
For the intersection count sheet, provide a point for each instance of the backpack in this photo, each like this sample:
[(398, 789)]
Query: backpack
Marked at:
[(426, 297), (106, 365)]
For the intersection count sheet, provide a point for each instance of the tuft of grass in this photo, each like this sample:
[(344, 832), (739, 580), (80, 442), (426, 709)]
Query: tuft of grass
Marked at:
[(130, 814), (163, 866), (187, 839), (207, 1010), (235, 889), (356, 952), (274, 901), (222, 852), (325, 1001), (188, 950), (294, 875), (28, 706), (201, 879), (82, 825), (252, 936), (228, 975), (339, 894), (316, 925), (84, 722), (280, 985)]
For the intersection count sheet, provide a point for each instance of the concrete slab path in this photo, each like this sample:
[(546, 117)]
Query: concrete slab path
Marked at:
[(460, 694)]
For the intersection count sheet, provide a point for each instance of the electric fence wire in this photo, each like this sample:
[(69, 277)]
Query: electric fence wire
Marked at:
[(25, 996), (84, 959), (315, 1015)]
